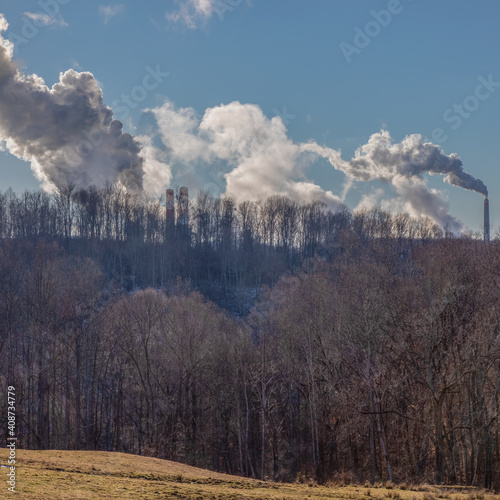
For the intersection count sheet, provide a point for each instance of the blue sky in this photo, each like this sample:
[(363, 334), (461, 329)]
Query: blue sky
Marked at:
[(288, 57)]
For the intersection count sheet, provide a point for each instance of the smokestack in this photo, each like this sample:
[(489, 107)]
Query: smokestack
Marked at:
[(170, 208), (183, 207), (486, 220)]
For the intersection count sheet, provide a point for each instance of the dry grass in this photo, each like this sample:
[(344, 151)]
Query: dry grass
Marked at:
[(78, 475)]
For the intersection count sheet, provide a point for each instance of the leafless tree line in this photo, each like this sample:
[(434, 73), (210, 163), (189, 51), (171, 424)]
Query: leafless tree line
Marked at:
[(229, 244), (375, 355)]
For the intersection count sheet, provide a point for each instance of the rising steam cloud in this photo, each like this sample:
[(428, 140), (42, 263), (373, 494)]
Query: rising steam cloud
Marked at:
[(261, 160), (403, 165), (70, 138), (66, 132)]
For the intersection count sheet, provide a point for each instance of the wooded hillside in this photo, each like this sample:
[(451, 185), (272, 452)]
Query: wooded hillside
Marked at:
[(337, 345)]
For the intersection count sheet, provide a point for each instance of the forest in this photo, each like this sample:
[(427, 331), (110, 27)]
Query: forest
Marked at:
[(271, 339)]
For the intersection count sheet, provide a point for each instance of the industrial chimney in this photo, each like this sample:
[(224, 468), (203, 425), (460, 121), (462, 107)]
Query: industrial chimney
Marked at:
[(486, 220), (170, 208), (183, 207)]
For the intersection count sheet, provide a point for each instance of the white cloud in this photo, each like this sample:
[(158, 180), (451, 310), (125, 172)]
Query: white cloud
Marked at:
[(194, 12), (421, 201), (157, 174), (259, 159), (40, 19), (370, 200), (7, 47), (179, 132), (66, 131), (109, 11), (402, 165)]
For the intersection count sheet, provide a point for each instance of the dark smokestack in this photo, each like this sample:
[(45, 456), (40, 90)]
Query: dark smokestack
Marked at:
[(183, 206), (486, 220), (170, 208)]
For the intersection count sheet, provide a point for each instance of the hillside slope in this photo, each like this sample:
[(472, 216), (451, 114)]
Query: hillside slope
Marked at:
[(77, 475)]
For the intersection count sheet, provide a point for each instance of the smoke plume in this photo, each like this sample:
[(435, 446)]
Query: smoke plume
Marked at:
[(261, 160), (403, 165), (65, 132), (70, 138), (381, 159)]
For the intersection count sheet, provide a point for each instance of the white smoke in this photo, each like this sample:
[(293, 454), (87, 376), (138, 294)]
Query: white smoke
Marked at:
[(157, 175), (381, 159), (65, 132), (403, 165), (420, 201), (179, 133), (261, 160), (70, 138)]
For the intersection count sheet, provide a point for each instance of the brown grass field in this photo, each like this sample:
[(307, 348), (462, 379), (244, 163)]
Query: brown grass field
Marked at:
[(89, 475)]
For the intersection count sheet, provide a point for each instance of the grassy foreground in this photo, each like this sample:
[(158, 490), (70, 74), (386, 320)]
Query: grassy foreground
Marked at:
[(76, 475)]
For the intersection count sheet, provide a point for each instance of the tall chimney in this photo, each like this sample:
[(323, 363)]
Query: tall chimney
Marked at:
[(486, 220), (170, 208), (183, 206)]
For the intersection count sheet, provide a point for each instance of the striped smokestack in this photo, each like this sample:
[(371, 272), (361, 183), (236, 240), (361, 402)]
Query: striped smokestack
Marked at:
[(170, 207), (183, 206), (486, 220)]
